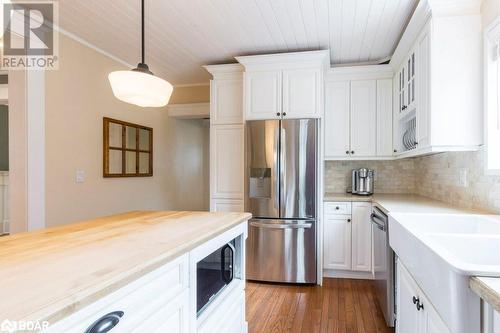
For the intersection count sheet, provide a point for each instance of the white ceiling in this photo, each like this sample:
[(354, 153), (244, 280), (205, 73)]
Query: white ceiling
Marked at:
[(183, 35)]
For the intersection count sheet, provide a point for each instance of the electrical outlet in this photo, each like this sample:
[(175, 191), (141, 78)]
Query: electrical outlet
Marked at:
[(462, 178), (80, 176)]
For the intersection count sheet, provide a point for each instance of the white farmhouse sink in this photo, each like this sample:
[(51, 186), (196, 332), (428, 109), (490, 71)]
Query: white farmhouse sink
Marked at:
[(441, 251)]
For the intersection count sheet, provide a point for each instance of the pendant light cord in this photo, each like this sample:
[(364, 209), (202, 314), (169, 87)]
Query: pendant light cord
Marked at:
[(142, 25)]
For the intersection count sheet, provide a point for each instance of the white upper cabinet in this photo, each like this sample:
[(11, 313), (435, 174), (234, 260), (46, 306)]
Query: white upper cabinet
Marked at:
[(438, 80), (287, 85), (384, 118), (263, 95), (337, 114), (358, 113), (302, 93), (363, 118), (226, 102)]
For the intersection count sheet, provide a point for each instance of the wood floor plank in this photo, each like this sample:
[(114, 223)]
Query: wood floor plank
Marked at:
[(339, 306)]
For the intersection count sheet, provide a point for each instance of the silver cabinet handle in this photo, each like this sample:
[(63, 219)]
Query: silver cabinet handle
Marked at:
[(281, 225), (106, 323)]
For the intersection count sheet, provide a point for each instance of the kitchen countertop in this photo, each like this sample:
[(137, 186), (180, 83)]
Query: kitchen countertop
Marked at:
[(402, 203), (51, 273), (488, 288)]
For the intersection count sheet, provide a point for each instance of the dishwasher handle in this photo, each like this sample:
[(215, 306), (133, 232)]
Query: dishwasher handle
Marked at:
[(378, 222)]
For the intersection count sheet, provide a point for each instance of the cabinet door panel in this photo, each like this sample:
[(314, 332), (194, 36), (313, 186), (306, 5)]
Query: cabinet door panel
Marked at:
[(228, 206), (263, 94), (408, 318), (361, 237), (337, 242), (423, 92), (227, 173), (433, 322), (301, 93), (363, 118), (337, 124), (384, 117), (226, 102)]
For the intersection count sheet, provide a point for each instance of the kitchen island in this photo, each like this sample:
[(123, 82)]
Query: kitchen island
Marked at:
[(71, 276)]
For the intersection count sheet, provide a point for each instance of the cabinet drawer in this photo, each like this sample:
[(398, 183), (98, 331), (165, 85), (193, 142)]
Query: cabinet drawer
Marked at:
[(337, 208), (138, 300)]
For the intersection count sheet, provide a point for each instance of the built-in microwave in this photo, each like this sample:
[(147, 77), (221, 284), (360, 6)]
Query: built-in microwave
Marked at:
[(214, 273)]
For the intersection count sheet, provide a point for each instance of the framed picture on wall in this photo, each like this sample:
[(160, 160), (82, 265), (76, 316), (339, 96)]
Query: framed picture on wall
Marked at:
[(128, 149)]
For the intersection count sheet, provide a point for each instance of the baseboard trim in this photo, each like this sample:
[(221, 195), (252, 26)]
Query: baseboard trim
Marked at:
[(332, 273)]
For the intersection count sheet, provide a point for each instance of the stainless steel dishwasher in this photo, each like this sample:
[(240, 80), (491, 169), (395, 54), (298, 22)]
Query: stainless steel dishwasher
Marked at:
[(383, 265)]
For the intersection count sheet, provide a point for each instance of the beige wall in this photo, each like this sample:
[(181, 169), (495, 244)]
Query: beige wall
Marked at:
[(190, 94), (78, 96), (18, 145)]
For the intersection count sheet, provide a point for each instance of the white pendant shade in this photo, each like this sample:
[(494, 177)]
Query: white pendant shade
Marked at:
[(142, 89)]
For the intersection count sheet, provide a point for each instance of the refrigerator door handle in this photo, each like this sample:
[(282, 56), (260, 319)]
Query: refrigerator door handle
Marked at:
[(276, 177), (281, 225), (283, 192)]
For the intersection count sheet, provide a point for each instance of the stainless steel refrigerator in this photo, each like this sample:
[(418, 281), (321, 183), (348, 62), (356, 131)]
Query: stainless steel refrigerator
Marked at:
[(282, 160)]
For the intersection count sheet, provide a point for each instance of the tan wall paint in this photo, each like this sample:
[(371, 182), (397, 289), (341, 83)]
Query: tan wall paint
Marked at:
[(78, 96), (18, 181), (190, 94)]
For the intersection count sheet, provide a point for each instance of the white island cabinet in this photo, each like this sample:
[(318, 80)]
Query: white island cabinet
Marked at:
[(165, 300), (141, 271)]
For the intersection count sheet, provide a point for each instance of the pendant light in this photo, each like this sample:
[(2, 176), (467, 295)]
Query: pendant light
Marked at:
[(139, 86)]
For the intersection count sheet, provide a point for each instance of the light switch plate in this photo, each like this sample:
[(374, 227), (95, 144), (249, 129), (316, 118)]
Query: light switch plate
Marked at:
[(80, 176), (462, 177)]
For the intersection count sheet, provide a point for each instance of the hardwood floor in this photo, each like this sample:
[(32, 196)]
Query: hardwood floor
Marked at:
[(339, 306)]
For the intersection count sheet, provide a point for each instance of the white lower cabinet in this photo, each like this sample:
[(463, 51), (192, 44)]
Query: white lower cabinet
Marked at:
[(361, 237), (337, 242), (219, 320), (347, 236), (148, 302), (490, 319), (415, 313)]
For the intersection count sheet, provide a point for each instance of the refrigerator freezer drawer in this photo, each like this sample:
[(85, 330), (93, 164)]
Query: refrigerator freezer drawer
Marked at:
[(282, 250)]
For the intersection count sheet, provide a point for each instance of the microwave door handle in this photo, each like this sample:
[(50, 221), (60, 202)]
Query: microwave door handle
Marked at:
[(225, 278)]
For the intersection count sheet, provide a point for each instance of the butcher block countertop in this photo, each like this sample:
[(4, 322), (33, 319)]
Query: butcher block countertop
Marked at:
[(51, 273)]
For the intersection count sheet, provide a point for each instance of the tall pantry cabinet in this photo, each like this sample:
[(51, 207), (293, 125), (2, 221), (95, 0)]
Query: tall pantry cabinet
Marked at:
[(227, 139)]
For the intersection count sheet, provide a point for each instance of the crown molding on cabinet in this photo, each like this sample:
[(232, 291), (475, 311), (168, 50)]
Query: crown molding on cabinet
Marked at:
[(189, 111), (286, 60), (359, 73), (425, 9), (225, 71)]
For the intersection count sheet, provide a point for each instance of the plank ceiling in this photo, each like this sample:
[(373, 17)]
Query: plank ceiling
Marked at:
[(183, 35)]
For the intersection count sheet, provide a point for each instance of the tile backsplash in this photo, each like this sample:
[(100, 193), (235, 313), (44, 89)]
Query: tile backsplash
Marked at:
[(435, 176), (390, 176)]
